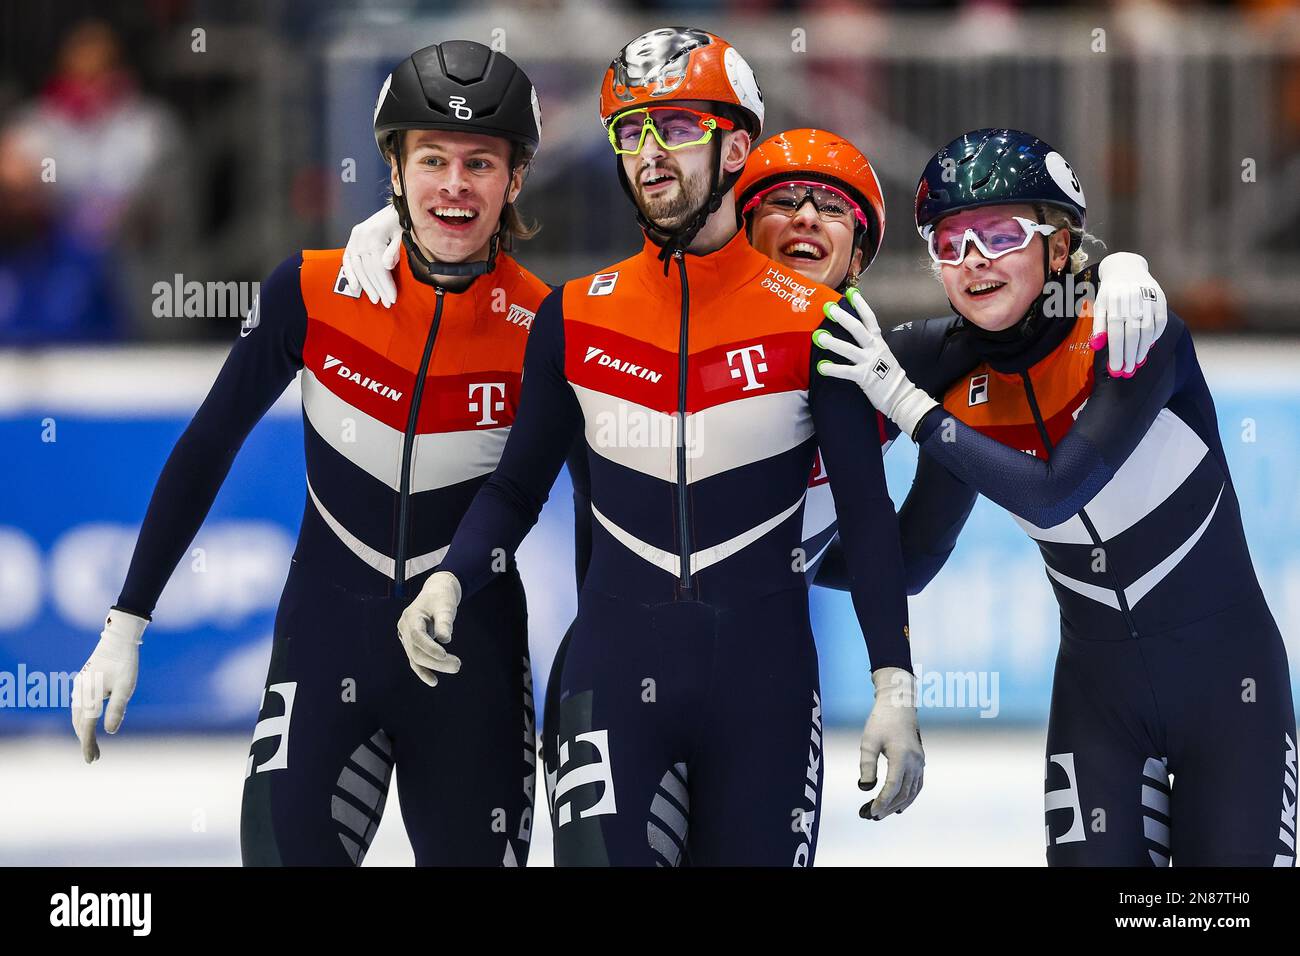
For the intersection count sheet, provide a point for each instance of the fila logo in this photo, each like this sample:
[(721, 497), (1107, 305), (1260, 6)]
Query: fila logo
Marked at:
[(978, 391), (343, 287), (518, 315), (253, 319), (608, 361), (365, 381), (268, 727), (598, 772), (486, 403), (603, 284), (457, 104), (749, 367), (882, 369), (1066, 799)]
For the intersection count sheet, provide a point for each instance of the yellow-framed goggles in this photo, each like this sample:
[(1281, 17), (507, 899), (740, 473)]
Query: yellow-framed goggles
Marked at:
[(674, 127)]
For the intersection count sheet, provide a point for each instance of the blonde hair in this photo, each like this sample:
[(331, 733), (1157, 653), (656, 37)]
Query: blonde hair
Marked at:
[(1055, 216)]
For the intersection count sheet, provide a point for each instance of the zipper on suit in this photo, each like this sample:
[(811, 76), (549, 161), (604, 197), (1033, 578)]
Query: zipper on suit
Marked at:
[(684, 581), (408, 449)]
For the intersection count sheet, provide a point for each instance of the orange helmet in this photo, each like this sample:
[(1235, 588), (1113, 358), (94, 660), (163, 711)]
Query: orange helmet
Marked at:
[(803, 154), (680, 63)]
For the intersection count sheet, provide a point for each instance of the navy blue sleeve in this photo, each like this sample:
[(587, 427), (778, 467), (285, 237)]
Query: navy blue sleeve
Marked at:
[(260, 365), (544, 431), (833, 572), (929, 522), (1110, 426), (932, 516), (846, 430), (580, 475)]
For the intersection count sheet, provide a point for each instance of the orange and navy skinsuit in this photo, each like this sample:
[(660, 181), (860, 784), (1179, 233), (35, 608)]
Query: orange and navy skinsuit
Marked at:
[(1170, 660), (406, 412), (689, 716)]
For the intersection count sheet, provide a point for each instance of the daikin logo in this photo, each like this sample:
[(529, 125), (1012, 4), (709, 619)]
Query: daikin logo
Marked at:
[(602, 357), (365, 381)]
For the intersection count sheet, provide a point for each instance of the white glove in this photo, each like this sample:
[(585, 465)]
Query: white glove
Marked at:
[(435, 605), (1130, 312), (873, 365), (371, 253), (892, 729), (110, 672)]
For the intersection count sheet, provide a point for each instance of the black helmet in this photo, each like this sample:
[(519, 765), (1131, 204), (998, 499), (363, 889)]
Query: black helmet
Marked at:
[(988, 167), (461, 86)]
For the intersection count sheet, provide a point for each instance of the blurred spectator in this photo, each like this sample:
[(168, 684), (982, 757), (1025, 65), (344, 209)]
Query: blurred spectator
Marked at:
[(115, 157), (54, 284), (107, 140)]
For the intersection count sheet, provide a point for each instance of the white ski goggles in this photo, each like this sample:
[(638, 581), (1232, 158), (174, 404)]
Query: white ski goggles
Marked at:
[(994, 239)]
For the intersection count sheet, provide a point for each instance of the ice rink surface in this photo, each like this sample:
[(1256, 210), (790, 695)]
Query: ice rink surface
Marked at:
[(175, 801)]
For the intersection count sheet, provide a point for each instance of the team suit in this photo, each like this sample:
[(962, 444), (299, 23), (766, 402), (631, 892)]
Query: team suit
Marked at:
[(1171, 666), (935, 359), (406, 412), (693, 606)]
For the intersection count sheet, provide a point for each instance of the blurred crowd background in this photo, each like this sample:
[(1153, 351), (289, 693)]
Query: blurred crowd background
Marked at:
[(145, 140)]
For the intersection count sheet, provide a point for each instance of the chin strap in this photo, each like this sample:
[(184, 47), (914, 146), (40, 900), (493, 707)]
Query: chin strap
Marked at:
[(430, 268)]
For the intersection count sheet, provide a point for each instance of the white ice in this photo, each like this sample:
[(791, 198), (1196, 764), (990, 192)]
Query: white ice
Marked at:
[(175, 801)]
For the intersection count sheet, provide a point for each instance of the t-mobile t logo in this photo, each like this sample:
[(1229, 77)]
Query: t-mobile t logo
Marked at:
[(749, 366), (486, 401)]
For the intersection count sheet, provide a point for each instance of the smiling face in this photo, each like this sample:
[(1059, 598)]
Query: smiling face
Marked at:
[(456, 184), (822, 251), (995, 294), (670, 185)]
